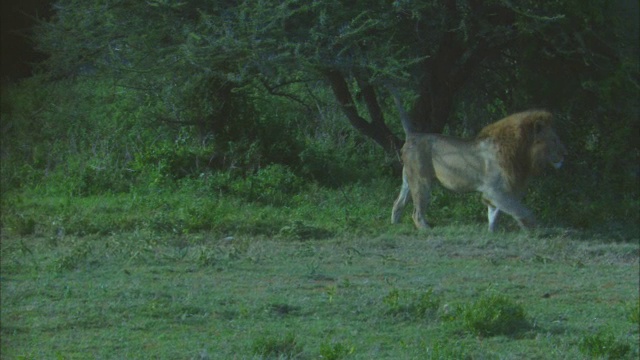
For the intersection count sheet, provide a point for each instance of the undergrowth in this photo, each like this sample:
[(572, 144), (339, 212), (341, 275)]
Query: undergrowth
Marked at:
[(494, 314), (76, 148), (314, 213), (604, 345), (277, 347)]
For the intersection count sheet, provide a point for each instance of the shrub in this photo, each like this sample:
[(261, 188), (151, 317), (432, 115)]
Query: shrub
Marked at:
[(74, 258), (446, 349), (273, 184), (634, 313), (19, 224), (298, 230), (411, 305), (277, 347), (335, 165), (493, 315), (335, 351), (605, 345)]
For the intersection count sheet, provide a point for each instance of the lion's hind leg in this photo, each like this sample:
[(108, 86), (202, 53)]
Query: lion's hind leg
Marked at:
[(421, 195), (401, 201)]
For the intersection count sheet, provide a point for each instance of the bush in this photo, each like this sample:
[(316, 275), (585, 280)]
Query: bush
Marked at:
[(412, 305), (603, 344), (335, 351), (335, 166), (82, 133), (447, 349), (298, 230), (493, 315), (165, 162), (277, 347), (274, 184), (634, 313)]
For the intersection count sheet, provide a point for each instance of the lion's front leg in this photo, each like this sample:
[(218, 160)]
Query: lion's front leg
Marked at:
[(510, 204), (492, 214)]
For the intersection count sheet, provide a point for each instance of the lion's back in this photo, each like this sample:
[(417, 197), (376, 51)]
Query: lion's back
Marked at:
[(458, 164)]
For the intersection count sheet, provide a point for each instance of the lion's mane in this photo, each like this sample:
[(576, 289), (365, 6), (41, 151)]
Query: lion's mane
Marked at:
[(514, 137)]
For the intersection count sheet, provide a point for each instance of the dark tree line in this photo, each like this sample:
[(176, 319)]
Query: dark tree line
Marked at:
[(565, 55)]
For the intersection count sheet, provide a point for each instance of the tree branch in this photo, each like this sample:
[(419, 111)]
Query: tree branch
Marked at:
[(273, 90), (371, 101), (379, 133)]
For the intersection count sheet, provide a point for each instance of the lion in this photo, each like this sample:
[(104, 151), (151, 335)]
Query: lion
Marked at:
[(497, 163)]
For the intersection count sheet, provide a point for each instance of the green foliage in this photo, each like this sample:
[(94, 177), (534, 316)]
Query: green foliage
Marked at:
[(19, 224), (274, 184), (604, 345), (447, 349), (587, 204), (76, 256), (335, 350), (195, 291), (334, 163), (634, 313), (166, 162), (412, 305), (277, 347), (78, 135), (229, 249), (494, 314), (204, 106), (300, 231)]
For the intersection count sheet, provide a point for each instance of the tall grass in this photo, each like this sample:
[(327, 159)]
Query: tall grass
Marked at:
[(74, 148)]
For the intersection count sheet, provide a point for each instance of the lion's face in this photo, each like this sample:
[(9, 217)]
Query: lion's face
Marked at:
[(547, 148)]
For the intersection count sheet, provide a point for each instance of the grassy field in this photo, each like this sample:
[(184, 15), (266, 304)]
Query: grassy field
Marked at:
[(392, 293)]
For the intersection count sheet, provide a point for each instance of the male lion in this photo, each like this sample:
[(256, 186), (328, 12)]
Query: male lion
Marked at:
[(497, 163)]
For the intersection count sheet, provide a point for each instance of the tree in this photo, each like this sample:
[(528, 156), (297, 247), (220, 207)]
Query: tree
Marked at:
[(431, 50)]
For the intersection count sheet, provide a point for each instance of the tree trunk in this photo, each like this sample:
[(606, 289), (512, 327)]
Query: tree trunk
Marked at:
[(450, 68), (376, 130), (431, 111)]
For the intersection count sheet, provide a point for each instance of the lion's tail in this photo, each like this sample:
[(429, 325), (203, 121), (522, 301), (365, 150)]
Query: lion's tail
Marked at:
[(404, 116)]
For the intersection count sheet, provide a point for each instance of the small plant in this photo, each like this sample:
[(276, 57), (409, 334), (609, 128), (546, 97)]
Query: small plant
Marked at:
[(273, 184), (444, 349), (494, 315), (335, 351), (298, 230), (277, 347), (411, 305), (207, 257), (604, 345), (331, 292), (71, 261), (21, 225), (634, 313)]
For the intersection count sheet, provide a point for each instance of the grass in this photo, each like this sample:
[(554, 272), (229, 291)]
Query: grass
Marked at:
[(320, 278), (191, 210), (604, 345), (137, 295), (494, 314)]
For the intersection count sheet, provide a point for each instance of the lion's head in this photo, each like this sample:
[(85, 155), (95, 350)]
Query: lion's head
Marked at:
[(526, 142)]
